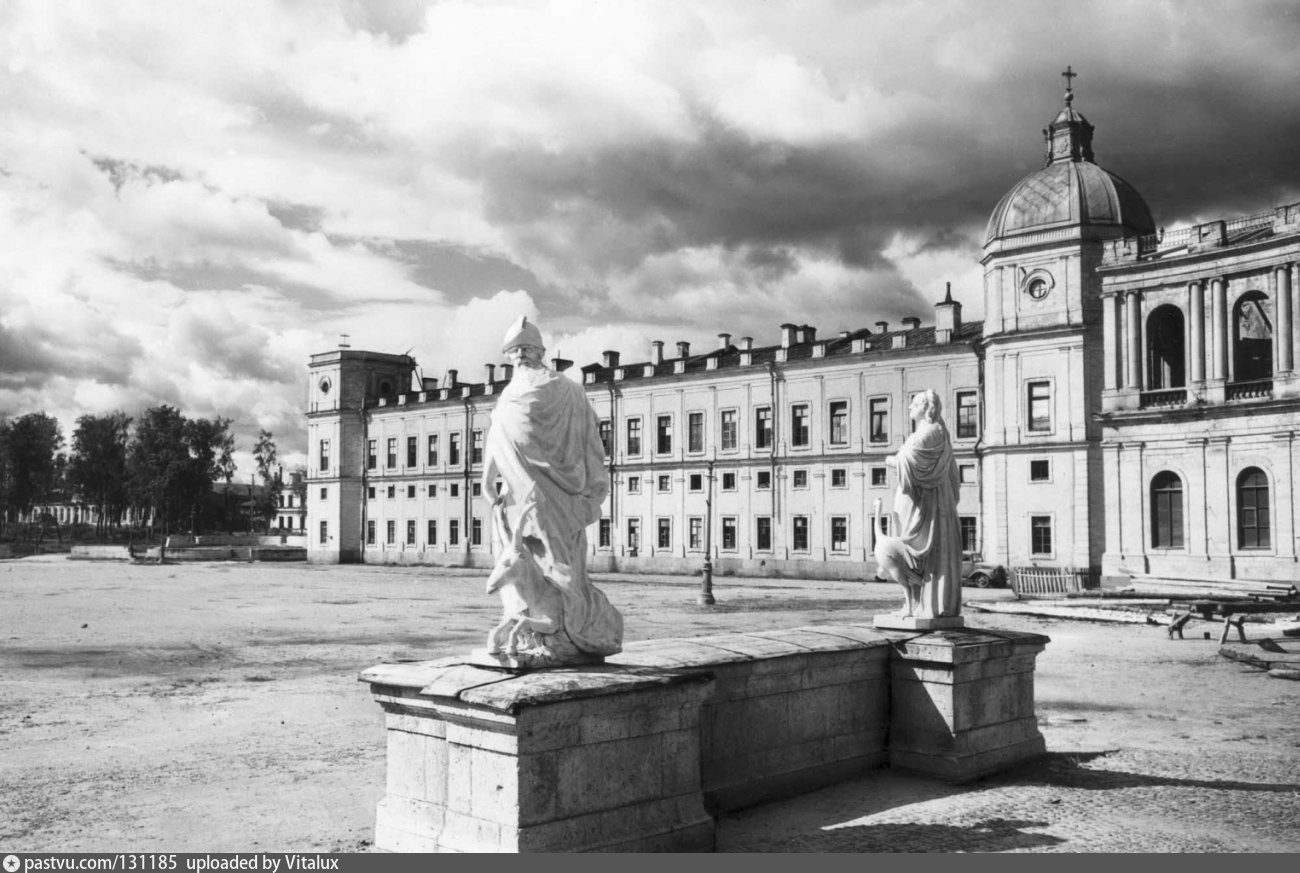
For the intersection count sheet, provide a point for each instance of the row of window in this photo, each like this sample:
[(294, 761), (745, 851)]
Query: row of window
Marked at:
[(431, 490), (1250, 335), (763, 479), (430, 532), (432, 451), (1254, 529)]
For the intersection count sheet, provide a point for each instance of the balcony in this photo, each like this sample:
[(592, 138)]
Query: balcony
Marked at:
[(1258, 389), (1165, 397)]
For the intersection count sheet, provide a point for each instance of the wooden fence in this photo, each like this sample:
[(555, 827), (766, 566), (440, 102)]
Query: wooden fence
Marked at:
[(1048, 580)]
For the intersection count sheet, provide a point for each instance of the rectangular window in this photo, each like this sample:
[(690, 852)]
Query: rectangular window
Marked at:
[(763, 427), (763, 480), (728, 481), (392, 453), (967, 473), (800, 478), (324, 456), (1039, 405), (455, 489), (605, 434), (476, 489), (1040, 535), (634, 437), (695, 432), (324, 532), (370, 532), (839, 478), (968, 424), (696, 528), (839, 414), (371, 492), (665, 483), (665, 533), (664, 435), (1040, 470), (633, 484), (879, 477), (969, 533), (603, 534), (799, 533), (412, 451), (372, 454), (392, 492), (476, 447), (453, 449), (453, 532), (432, 532), (392, 532), (728, 434), (476, 531), (633, 534), (433, 490), (410, 531), (878, 423), (839, 533), (432, 453), (728, 533), (799, 431), (763, 533), (410, 492), (324, 494), (697, 482)]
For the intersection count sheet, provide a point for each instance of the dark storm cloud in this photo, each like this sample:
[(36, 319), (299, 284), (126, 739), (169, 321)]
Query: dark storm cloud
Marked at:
[(460, 273), (32, 356)]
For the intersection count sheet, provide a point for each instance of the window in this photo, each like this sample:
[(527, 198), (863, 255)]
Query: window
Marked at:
[(763, 427), (476, 489), (966, 473), (1167, 511), (695, 526), (392, 492), (839, 533), (371, 492), (476, 447), (799, 425), (370, 532), (664, 435), (1040, 535), (324, 456), (665, 533), (695, 432), (372, 454), (432, 532), (800, 478), (839, 477), (633, 484), (603, 535), (453, 450), (453, 532), (410, 492), (696, 482), (967, 415), (799, 533), (633, 534), (412, 451), (728, 435), (634, 437), (1165, 360), (476, 531), (728, 481), (392, 453), (878, 420), (763, 533), (763, 480), (324, 494), (879, 477), (1039, 401), (839, 414), (1253, 528), (1040, 470), (884, 528), (433, 490), (455, 489), (665, 483), (410, 531), (324, 532), (433, 450), (605, 434), (392, 532), (969, 533), (1252, 338), (728, 533)]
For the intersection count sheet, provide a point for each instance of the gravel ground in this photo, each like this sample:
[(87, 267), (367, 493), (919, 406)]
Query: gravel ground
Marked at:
[(215, 707)]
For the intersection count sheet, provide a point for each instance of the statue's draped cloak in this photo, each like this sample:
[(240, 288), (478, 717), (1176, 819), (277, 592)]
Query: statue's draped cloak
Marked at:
[(926, 506), (545, 444)]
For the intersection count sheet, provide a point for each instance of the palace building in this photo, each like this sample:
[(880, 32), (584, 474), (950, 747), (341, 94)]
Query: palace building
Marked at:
[(1129, 403)]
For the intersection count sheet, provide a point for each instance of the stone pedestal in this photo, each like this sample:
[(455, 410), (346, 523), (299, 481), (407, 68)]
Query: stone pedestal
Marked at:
[(963, 703), (913, 623)]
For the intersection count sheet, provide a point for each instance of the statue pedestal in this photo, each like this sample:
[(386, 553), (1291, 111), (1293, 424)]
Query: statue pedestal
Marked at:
[(912, 623), (962, 703)]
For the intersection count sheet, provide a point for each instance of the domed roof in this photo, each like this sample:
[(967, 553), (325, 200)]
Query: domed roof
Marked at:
[(1070, 190)]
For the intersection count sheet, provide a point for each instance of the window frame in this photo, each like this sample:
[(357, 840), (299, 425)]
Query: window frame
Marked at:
[(431, 450), (1049, 524), (730, 535), (967, 430), (878, 420), (634, 429), (663, 533), (762, 531), (1168, 518), (800, 529), (695, 435), (1240, 510), (843, 547), (838, 419), (728, 430), (800, 425), (1049, 401), (764, 429), (664, 434)]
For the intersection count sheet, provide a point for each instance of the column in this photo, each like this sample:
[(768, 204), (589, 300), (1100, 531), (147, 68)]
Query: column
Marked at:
[(1282, 298), (1134, 341), (1219, 327), (1110, 344), (1196, 310)]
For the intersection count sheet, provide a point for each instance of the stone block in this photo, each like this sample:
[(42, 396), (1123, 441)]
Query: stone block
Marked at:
[(408, 760)]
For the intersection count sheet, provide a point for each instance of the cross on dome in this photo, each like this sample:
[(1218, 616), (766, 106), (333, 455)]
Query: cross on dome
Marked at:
[(1070, 75)]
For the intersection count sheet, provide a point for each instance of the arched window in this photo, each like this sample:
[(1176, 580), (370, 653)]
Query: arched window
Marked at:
[(1252, 338), (1167, 511), (1252, 510), (1165, 367)]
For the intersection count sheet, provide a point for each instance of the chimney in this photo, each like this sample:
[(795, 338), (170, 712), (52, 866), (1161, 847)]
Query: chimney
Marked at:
[(787, 335), (807, 334), (489, 373), (724, 340), (911, 322), (882, 327), (451, 378), (844, 334), (560, 364), (947, 318), (507, 372), (609, 358), (746, 343), (657, 352)]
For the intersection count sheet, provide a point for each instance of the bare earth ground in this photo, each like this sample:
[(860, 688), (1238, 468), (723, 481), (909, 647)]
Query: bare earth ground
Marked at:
[(215, 707)]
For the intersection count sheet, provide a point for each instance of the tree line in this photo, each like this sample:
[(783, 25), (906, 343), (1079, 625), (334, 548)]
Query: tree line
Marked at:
[(160, 467)]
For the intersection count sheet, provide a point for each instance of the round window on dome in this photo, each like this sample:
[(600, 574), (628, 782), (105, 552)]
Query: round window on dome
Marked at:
[(325, 385)]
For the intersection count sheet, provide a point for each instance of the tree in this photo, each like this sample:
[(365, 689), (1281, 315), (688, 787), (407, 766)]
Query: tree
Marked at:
[(32, 445), (97, 468), (209, 443), (156, 463), (264, 454)]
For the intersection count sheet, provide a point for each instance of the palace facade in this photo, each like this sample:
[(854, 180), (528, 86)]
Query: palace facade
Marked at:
[(1129, 402)]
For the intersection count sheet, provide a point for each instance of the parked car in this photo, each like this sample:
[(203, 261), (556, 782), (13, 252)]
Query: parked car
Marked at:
[(980, 573)]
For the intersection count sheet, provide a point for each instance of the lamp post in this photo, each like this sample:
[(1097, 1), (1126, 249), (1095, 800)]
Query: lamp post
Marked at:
[(706, 577)]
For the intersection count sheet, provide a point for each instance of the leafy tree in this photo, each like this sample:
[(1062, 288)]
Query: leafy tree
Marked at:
[(157, 462), (264, 453), (31, 453), (97, 468), (209, 443)]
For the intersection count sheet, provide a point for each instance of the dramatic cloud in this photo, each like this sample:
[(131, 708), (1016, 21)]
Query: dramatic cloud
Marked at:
[(195, 197)]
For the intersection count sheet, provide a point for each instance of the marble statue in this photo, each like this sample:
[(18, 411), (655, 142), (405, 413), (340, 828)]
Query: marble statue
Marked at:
[(924, 552), (544, 447)]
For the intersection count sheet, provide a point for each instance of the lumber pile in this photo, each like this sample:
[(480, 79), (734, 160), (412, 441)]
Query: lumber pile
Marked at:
[(1202, 589)]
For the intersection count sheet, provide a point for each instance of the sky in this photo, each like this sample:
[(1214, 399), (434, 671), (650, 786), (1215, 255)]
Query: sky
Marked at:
[(195, 197)]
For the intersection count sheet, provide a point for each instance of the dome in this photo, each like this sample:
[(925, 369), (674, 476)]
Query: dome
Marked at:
[(1070, 191)]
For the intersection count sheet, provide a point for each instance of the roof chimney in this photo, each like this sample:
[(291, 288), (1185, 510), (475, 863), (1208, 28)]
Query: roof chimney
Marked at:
[(807, 334), (489, 373), (507, 372), (451, 378), (787, 335), (561, 364), (947, 318), (683, 350), (609, 358), (844, 334), (911, 322), (657, 352), (430, 384), (882, 327), (746, 343), (724, 340)]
